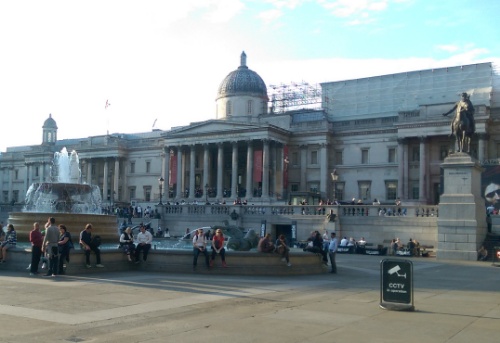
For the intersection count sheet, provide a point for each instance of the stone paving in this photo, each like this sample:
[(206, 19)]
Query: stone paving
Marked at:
[(454, 302)]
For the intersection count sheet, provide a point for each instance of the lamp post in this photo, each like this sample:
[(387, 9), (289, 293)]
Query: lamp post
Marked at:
[(206, 194), (335, 177), (160, 185)]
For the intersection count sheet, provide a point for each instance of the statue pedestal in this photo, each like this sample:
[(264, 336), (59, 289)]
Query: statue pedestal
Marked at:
[(462, 213)]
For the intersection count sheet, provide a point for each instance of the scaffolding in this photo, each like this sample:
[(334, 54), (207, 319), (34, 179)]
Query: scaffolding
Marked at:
[(294, 96)]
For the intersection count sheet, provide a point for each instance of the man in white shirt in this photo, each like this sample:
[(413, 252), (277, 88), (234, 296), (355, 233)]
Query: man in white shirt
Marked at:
[(344, 242), (332, 250), (200, 246), (144, 239)]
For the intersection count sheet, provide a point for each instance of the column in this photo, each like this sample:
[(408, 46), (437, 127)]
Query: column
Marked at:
[(11, 177), (105, 182), (401, 166), (323, 166), (192, 161), (205, 169), (265, 169), (406, 172), (180, 178), (220, 166), (166, 173), (115, 196), (42, 172), (89, 171), (482, 153), (422, 194), (303, 165), (249, 179), (234, 171)]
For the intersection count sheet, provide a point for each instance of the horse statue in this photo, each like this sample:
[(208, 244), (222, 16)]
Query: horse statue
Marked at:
[(463, 126)]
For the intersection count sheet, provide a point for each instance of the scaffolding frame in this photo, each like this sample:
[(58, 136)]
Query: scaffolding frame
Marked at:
[(294, 96)]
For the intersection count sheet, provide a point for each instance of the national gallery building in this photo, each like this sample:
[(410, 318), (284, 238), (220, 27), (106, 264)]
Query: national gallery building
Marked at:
[(381, 137)]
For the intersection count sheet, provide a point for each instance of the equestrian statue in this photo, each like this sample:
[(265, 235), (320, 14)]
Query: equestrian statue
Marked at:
[(463, 125)]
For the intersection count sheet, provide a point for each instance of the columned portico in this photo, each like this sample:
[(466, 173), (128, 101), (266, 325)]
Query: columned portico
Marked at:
[(234, 170)]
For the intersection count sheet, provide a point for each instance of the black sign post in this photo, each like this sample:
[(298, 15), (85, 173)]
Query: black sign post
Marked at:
[(396, 285)]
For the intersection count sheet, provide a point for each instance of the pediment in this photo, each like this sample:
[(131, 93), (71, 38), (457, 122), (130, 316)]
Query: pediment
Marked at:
[(211, 127)]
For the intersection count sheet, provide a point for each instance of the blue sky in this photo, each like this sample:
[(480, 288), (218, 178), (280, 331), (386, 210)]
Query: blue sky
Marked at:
[(164, 60)]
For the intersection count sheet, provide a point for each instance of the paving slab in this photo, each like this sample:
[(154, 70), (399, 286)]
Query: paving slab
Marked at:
[(454, 302)]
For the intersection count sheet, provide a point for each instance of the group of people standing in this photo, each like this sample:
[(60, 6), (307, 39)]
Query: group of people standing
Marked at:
[(54, 244)]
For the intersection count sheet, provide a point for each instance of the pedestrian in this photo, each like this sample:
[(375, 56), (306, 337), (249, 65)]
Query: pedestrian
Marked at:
[(332, 251), (36, 240)]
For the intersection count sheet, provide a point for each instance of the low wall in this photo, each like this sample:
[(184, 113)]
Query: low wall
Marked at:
[(181, 261)]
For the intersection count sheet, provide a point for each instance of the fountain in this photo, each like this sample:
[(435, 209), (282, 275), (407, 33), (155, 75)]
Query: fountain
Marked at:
[(66, 198)]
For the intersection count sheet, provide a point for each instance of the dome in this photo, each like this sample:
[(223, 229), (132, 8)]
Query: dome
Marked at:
[(242, 81), (49, 123)]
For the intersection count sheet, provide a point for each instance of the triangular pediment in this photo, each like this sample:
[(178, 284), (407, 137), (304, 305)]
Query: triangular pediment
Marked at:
[(210, 127)]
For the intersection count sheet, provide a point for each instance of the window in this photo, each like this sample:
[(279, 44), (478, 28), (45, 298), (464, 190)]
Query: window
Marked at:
[(294, 187), (391, 190), (295, 158), (392, 155), (147, 193), (313, 187), (314, 157), (228, 108), (132, 167), (16, 174), (364, 190), (339, 157), (415, 190), (37, 171), (148, 167), (339, 191), (443, 152), (5, 196), (249, 106), (93, 170), (132, 193), (415, 154), (364, 156), (15, 196)]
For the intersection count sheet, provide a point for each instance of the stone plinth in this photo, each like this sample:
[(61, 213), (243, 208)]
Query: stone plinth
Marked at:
[(462, 214)]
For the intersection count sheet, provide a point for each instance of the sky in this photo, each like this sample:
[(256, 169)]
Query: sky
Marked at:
[(159, 64)]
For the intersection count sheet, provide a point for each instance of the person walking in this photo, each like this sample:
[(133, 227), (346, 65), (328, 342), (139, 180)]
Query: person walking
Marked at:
[(332, 251)]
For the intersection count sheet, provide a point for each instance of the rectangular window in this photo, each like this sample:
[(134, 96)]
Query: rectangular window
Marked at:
[(415, 190), (132, 193), (249, 107), (16, 174), (15, 196), (313, 187), (294, 187), (339, 157), (148, 167), (37, 171), (132, 167), (391, 190), (415, 154), (339, 191), (364, 190), (314, 157), (364, 156), (147, 193), (93, 170), (295, 159), (443, 152), (5, 196), (392, 155)]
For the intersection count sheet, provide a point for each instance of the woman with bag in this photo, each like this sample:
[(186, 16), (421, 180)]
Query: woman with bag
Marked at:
[(218, 248), (65, 244), (127, 243)]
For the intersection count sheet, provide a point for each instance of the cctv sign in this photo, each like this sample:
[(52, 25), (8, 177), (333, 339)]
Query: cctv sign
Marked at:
[(396, 286)]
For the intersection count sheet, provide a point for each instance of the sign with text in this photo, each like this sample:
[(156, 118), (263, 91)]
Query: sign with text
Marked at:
[(396, 284)]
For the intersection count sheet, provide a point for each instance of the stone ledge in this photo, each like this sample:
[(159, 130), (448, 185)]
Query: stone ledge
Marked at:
[(181, 261)]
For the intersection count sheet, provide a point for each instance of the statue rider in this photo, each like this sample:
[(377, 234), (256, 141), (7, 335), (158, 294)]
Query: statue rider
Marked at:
[(464, 105)]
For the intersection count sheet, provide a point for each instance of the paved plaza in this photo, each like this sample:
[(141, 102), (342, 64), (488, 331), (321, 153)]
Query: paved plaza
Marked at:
[(454, 302)]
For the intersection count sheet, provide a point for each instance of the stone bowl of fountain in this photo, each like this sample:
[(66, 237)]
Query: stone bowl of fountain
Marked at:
[(69, 201)]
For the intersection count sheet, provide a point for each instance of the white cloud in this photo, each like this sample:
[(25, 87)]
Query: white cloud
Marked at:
[(270, 15), (448, 48)]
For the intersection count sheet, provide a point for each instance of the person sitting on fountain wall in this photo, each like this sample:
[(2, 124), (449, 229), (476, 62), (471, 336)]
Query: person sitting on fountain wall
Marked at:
[(50, 246), (265, 244), (88, 245), (127, 243), (283, 249), (65, 244), (199, 246), (482, 254), (144, 240), (9, 242), (218, 248)]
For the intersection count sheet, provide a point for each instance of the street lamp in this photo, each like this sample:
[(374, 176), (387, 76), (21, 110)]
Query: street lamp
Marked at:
[(335, 177), (160, 184), (206, 193)]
